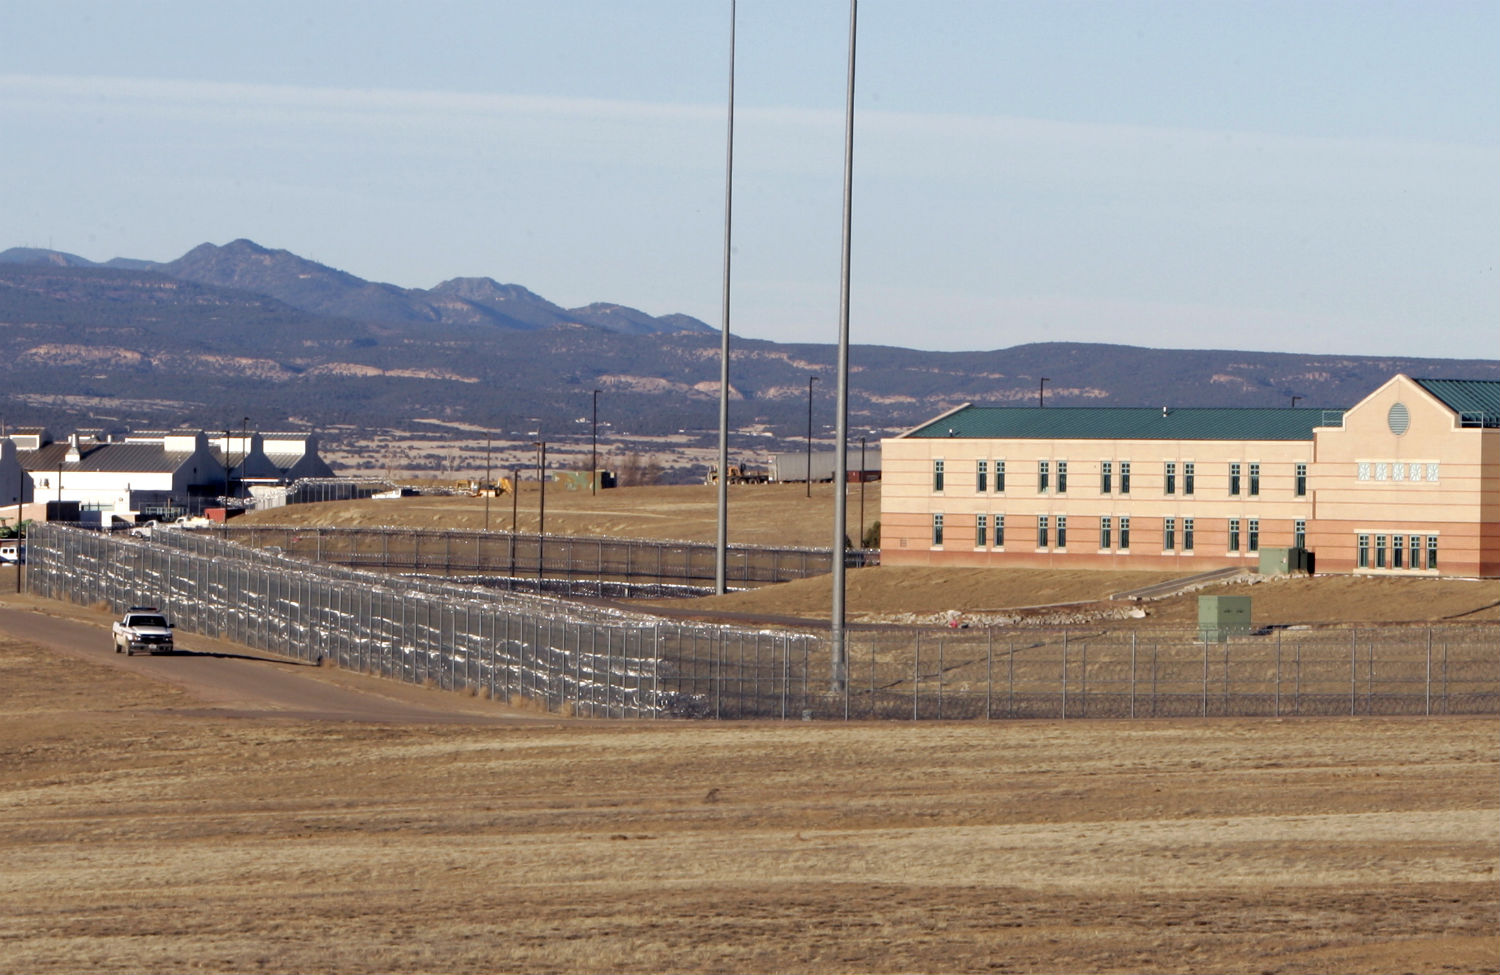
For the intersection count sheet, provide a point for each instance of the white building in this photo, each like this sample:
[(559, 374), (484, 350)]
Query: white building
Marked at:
[(159, 474)]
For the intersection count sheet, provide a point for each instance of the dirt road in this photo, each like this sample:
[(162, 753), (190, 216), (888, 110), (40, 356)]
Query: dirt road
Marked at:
[(225, 677)]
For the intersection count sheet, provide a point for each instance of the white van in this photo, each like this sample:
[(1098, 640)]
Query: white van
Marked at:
[(11, 551)]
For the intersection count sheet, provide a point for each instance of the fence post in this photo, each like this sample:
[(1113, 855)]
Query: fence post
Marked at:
[(1427, 689), (916, 673), (1205, 677), (1277, 696), (1132, 673), (1353, 668), (989, 673), (1065, 674)]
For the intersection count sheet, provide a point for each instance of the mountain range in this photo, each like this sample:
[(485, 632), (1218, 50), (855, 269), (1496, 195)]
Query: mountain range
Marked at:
[(238, 330)]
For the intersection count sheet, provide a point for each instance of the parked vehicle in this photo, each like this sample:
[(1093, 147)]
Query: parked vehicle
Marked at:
[(143, 629), (12, 552)]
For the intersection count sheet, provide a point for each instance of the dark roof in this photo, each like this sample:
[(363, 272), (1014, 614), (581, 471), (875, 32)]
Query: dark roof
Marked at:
[(121, 457), (1476, 401), (1115, 423)]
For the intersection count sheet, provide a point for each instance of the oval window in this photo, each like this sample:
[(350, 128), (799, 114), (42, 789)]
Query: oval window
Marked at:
[(1398, 419)]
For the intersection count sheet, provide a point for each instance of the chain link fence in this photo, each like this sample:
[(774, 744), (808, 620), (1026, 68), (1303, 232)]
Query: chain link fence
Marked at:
[(516, 560), (600, 661)]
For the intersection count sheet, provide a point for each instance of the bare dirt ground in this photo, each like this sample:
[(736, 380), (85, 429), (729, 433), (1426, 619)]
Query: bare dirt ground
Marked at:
[(782, 514), (143, 828)]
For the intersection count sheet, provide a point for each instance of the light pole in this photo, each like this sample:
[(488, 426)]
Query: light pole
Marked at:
[(594, 470), (541, 511), (1041, 392), (226, 473), (840, 662), (515, 501), (721, 527), (862, 469), (810, 381), (488, 489)]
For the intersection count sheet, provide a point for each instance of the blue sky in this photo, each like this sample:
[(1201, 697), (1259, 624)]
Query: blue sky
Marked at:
[(1303, 176)]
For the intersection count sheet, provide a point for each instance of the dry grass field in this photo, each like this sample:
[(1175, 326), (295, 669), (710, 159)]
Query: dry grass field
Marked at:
[(147, 827), (142, 830)]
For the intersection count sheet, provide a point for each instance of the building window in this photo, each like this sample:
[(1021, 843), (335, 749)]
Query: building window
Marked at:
[(1124, 477), (937, 475), (937, 529), (1187, 534), (1363, 561), (999, 531), (1170, 478), (1299, 533), (1234, 479), (1106, 475), (1041, 531), (1169, 535), (1397, 546), (1234, 534), (1187, 477), (1379, 551), (1252, 535), (1105, 531), (1124, 533), (1062, 531), (981, 524), (1415, 544), (1062, 478), (1301, 481), (982, 477), (1254, 480), (1432, 551), (1043, 475), (999, 476)]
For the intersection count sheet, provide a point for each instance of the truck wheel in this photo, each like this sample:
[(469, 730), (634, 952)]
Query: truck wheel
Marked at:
[(130, 651), (117, 646)]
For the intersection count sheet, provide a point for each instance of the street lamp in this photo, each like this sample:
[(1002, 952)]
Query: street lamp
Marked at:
[(862, 469), (810, 381), (541, 512), (594, 469)]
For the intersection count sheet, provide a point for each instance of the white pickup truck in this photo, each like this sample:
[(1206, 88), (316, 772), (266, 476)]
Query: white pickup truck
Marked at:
[(143, 629)]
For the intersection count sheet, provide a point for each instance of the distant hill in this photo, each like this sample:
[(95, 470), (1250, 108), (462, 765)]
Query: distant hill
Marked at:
[(226, 332), (247, 266)]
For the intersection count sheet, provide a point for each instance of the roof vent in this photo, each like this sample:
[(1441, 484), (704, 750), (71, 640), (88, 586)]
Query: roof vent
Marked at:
[(1163, 411), (74, 455)]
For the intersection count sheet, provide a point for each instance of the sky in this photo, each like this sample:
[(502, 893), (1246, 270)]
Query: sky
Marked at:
[(1309, 176)]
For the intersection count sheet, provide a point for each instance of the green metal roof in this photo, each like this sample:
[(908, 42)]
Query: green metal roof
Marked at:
[(1114, 423), (1476, 401)]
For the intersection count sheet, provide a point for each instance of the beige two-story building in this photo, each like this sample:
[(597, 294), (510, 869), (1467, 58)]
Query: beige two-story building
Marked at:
[(1407, 480)]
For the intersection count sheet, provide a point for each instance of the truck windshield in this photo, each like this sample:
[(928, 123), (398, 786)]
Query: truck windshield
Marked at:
[(148, 621)]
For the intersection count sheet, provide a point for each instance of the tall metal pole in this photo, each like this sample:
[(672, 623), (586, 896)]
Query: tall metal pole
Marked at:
[(594, 470), (488, 488), (541, 510), (1041, 392), (860, 543), (810, 381), (840, 663), (515, 504), (721, 533)]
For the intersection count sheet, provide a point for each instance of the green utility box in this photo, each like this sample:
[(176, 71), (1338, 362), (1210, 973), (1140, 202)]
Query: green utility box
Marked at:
[(1282, 561), (1220, 617)]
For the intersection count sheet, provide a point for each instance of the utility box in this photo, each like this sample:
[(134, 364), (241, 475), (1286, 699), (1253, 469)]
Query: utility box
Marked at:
[(1283, 561), (1220, 617)]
